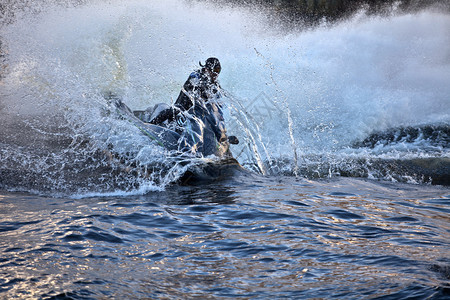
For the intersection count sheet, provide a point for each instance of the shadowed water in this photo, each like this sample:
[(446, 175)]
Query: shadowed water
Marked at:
[(251, 237)]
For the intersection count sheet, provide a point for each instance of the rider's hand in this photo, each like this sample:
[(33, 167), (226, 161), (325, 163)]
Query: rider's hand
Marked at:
[(181, 119), (233, 140)]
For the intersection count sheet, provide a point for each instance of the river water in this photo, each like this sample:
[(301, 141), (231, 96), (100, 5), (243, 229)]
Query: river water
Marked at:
[(248, 236), (344, 128)]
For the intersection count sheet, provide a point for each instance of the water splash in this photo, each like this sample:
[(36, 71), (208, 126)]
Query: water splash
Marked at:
[(325, 88), (288, 115)]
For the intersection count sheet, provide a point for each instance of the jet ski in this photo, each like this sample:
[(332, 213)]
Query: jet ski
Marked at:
[(193, 132)]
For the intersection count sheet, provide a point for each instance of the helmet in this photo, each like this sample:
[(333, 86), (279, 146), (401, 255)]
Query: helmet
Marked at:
[(212, 64)]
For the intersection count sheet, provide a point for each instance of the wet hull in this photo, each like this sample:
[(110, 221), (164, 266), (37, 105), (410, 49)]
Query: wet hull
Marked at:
[(212, 171)]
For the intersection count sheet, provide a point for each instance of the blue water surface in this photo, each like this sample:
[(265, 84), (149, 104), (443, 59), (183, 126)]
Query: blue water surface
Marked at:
[(245, 237)]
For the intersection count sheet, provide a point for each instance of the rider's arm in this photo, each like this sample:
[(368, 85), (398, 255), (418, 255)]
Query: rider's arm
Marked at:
[(184, 101)]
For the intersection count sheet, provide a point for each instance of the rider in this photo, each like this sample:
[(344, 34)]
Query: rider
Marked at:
[(201, 88)]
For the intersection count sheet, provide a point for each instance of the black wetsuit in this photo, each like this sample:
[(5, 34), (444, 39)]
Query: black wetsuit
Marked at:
[(197, 86), (198, 90)]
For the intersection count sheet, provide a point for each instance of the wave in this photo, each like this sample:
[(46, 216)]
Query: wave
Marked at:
[(410, 154), (437, 135)]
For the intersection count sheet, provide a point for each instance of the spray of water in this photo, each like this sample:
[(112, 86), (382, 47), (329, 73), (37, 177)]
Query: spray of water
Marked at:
[(312, 93)]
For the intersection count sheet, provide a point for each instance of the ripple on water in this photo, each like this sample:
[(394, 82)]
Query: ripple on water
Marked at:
[(300, 246)]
